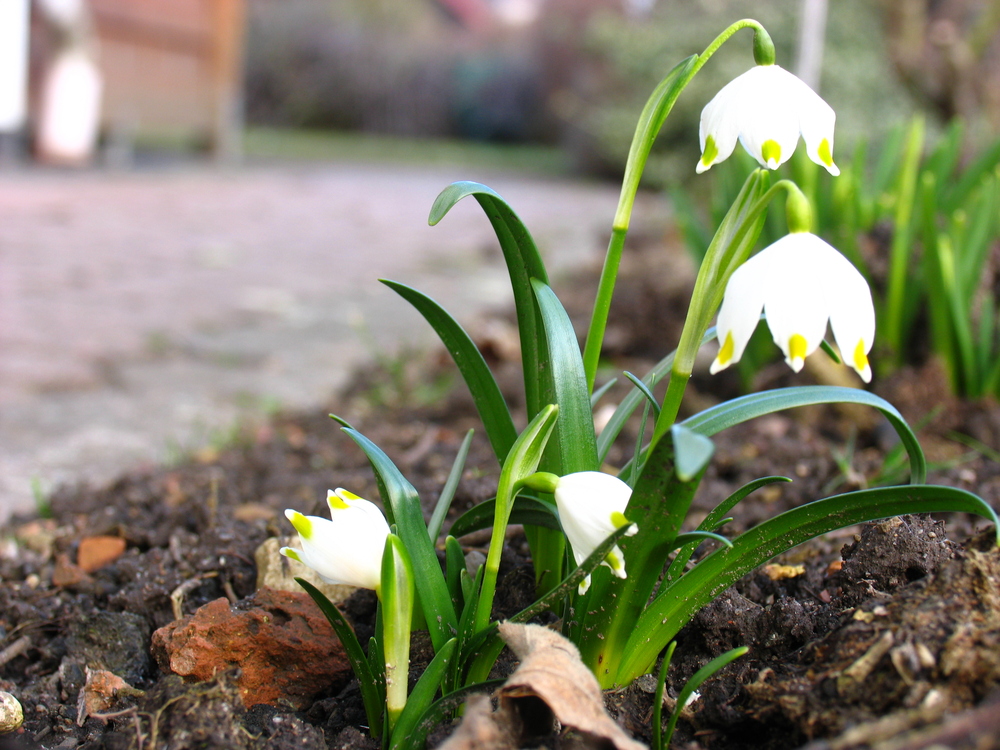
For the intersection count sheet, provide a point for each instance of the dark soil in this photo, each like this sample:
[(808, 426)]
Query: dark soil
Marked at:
[(883, 637)]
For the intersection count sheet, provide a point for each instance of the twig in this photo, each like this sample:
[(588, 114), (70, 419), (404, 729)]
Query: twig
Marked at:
[(15, 649), (177, 595)]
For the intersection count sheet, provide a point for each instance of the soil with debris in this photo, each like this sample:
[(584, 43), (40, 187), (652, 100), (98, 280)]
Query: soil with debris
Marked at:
[(883, 636)]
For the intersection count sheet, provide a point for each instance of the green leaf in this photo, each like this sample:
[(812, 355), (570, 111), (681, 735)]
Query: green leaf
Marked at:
[(523, 264), (372, 693), (397, 607), (693, 452), (448, 491), (644, 389), (485, 392), (454, 566), (597, 395), (661, 684), (738, 410), (575, 430), (422, 695), (403, 508), (715, 519), (679, 600), (526, 510), (522, 461), (659, 504), (695, 682)]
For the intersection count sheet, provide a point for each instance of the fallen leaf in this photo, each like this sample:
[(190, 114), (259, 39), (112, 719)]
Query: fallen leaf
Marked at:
[(551, 683)]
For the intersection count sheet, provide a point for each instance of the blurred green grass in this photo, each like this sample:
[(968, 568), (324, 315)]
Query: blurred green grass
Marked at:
[(288, 144)]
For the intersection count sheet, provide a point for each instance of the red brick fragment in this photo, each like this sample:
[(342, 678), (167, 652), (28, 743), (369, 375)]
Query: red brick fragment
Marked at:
[(285, 649), (97, 551)]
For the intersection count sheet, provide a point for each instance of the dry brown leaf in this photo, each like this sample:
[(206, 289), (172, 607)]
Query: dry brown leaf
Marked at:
[(551, 682)]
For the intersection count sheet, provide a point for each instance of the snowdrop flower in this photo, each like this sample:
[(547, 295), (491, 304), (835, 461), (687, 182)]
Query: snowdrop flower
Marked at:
[(767, 108), (347, 549), (591, 506), (800, 282)]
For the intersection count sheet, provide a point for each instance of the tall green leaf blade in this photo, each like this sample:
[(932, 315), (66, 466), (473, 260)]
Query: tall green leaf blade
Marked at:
[(679, 600), (523, 264), (738, 410), (490, 403), (422, 694), (403, 504), (372, 692), (575, 429)]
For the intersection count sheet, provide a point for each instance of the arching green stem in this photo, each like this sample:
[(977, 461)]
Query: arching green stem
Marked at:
[(729, 248), (650, 122)]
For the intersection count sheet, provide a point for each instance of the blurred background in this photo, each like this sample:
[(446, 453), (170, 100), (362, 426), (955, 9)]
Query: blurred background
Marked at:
[(268, 76), (196, 196)]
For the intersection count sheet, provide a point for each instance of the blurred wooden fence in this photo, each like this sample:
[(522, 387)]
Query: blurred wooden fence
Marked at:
[(172, 69)]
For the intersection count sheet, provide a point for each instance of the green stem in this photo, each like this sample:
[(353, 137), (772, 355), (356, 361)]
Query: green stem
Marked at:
[(727, 251), (650, 122)]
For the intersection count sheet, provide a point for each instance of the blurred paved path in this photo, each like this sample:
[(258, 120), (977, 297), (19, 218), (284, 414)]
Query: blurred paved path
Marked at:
[(140, 311)]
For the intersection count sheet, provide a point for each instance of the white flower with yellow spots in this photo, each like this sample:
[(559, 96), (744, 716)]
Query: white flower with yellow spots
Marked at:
[(347, 549), (767, 108), (800, 282), (591, 507)]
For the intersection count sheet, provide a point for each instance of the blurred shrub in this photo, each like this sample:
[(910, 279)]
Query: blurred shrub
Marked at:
[(386, 67)]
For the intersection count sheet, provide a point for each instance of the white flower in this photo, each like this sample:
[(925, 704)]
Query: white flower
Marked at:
[(591, 506), (347, 549), (800, 282), (767, 108)]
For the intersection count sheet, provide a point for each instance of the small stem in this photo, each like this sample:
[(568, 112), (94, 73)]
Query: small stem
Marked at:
[(650, 122), (671, 404)]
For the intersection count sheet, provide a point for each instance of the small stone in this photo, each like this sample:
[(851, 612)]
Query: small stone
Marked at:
[(97, 551), (66, 574), (277, 572), (11, 713), (285, 649), (782, 572), (100, 693)]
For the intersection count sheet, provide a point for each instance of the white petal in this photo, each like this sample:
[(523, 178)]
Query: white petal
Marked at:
[(796, 306), (719, 119), (740, 311), (852, 314), (347, 549), (586, 501)]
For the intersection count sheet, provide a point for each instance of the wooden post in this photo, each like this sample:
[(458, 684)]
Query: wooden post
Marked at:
[(228, 20)]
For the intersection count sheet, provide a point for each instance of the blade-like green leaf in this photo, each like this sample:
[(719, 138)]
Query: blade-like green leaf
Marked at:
[(397, 596), (650, 398), (422, 695), (716, 518), (693, 452), (372, 692), (695, 682), (403, 508), (526, 510), (738, 410), (522, 461), (523, 264), (681, 599), (575, 429), (448, 491), (485, 392), (454, 566)]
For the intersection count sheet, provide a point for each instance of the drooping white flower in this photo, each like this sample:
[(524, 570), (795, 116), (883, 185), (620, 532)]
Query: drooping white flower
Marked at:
[(591, 506), (800, 282), (347, 549), (767, 108)]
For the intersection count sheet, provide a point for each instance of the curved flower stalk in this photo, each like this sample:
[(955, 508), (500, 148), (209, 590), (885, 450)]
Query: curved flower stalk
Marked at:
[(767, 108), (800, 282), (347, 549), (591, 507)]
